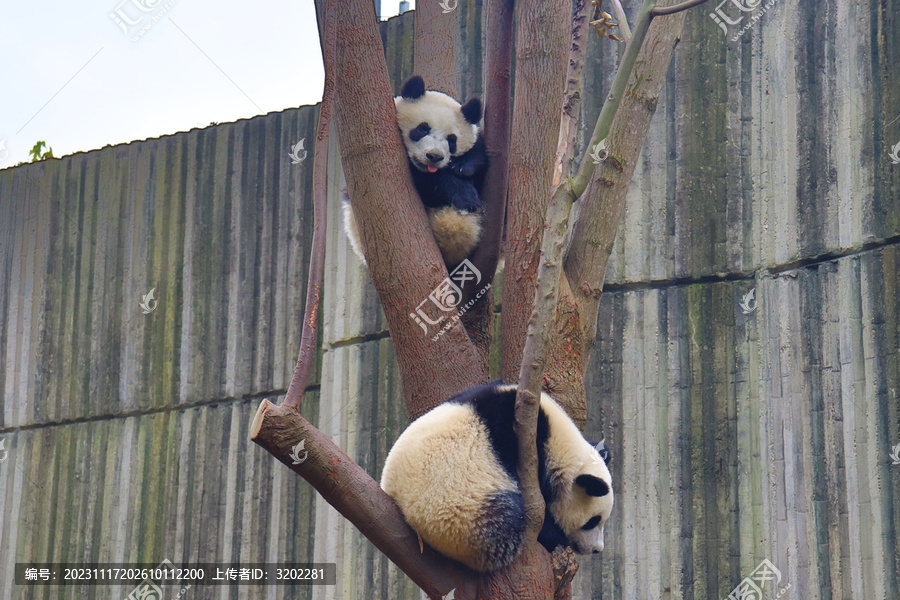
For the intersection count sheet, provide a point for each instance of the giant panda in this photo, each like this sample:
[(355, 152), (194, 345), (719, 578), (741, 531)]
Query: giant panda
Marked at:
[(453, 475), (447, 160)]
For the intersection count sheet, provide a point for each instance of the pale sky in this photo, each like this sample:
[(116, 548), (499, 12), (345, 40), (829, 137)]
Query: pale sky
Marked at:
[(73, 77)]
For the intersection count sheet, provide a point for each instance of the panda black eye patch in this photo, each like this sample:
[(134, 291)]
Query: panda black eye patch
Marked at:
[(421, 130), (592, 523), (451, 141)]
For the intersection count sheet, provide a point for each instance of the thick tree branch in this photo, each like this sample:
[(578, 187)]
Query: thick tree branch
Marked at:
[(358, 497), (541, 62), (436, 47), (497, 121), (403, 259)]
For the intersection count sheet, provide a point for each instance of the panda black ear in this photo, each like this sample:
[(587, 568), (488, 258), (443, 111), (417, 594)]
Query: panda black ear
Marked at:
[(603, 450), (593, 486), (471, 110), (414, 88)]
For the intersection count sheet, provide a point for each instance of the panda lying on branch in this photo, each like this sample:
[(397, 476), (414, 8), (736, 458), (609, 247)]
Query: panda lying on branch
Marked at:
[(453, 475), (447, 159)]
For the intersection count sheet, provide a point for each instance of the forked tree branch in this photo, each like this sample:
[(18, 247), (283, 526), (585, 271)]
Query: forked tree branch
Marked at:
[(594, 228), (614, 98)]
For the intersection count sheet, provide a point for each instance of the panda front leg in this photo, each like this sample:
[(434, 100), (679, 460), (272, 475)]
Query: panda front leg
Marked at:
[(456, 192), (472, 162)]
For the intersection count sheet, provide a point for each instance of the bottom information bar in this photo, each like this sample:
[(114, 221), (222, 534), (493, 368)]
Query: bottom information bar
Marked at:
[(167, 573)]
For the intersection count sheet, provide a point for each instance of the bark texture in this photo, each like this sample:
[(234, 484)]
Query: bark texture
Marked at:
[(541, 62)]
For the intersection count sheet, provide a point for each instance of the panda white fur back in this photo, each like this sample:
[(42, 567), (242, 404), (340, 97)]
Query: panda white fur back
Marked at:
[(447, 159), (456, 232), (453, 475)]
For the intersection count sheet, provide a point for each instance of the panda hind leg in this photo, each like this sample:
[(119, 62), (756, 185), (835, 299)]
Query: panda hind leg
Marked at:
[(499, 531), (456, 232)]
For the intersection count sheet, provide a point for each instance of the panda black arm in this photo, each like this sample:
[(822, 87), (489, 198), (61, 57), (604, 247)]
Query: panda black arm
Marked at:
[(472, 163), (443, 188), (552, 535)]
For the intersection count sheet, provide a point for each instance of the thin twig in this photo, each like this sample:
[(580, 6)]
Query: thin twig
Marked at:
[(593, 232), (307, 352), (622, 18), (614, 99), (549, 271), (660, 11)]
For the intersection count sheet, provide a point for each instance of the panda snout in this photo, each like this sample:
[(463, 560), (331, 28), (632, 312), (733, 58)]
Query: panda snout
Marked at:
[(434, 157)]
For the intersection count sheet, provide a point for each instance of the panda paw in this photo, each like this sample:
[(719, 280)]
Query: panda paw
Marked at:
[(465, 170), (469, 202)]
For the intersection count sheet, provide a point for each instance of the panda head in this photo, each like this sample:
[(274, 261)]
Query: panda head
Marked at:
[(434, 126), (590, 505), (581, 497)]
